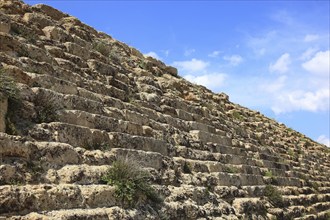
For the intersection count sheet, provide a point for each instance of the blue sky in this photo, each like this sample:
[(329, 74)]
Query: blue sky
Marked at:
[(270, 56)]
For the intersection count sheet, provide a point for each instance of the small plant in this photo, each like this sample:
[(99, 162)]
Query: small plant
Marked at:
[(131, 182), (238, 116), (8, 89), (230, 169), (186, 168), (269, 173), (273, 195), (312, 184), (46, 108), (289, 130), (8, 86), (142, 64)]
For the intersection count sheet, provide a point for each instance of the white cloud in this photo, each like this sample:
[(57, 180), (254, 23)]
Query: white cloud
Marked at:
[(234, 59), (273, 86), (152, 54), (283, 16), (215, 53), (312, 101), (311, 37), (319, 64), (281, 65), (211, 81), (262, 44), (188, 52), (166, 52), (324, 140), (193, 65), (308, 54)]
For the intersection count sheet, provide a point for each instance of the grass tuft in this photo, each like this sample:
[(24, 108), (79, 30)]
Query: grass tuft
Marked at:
[(132, 183)]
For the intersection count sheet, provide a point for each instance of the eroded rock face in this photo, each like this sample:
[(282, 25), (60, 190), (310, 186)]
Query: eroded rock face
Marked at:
[(87, 99)]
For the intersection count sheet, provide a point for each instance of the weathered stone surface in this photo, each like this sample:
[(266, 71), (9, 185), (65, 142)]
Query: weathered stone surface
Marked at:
[(87, 99)]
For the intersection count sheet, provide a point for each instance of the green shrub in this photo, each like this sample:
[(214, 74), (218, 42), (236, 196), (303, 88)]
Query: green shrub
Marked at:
[(269, 173), (8, 89), (238, 116), (46, 107), (230, 169), (131, 182), (186, 168), (8, 86), (273, 195), (142, 64)]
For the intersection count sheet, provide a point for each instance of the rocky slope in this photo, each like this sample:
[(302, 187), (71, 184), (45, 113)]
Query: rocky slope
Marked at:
[(84, 99)]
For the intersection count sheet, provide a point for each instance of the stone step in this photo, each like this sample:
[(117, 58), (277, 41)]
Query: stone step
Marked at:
[(20, 200), (81, 87), (182, 104), (206, 154), (245, 207), (205, 137), (319, 216), (81, 174), (222, 179), (228, 156), (200, 198), (56, 155), (188, 166), (101, 122), (321, 206), (283, 181), (306, 200), (82, 214), (77, 136), (123, 140), (69, 101)]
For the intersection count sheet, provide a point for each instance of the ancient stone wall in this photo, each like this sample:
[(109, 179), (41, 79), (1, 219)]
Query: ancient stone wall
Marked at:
[(86, 99)]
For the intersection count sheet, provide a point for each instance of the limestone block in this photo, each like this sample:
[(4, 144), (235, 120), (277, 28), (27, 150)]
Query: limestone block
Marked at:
[(58, 154), (15, 146), (138, 142), (171, 70), (70, 21), (4, 27), (77, 50), (8, 173), (38, 19), (10, 45), (100, 67), (50, 11), (81, 174), (137, 53), (56, 33), (76, 60), (208, 137), (55, 51), (184, 115), (17, 74), (37, 54)]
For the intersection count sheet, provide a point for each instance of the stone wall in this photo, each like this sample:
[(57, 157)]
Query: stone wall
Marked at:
[(87, 99)]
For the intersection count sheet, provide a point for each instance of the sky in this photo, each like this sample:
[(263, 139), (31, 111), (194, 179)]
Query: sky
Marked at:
[(270, 56)]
